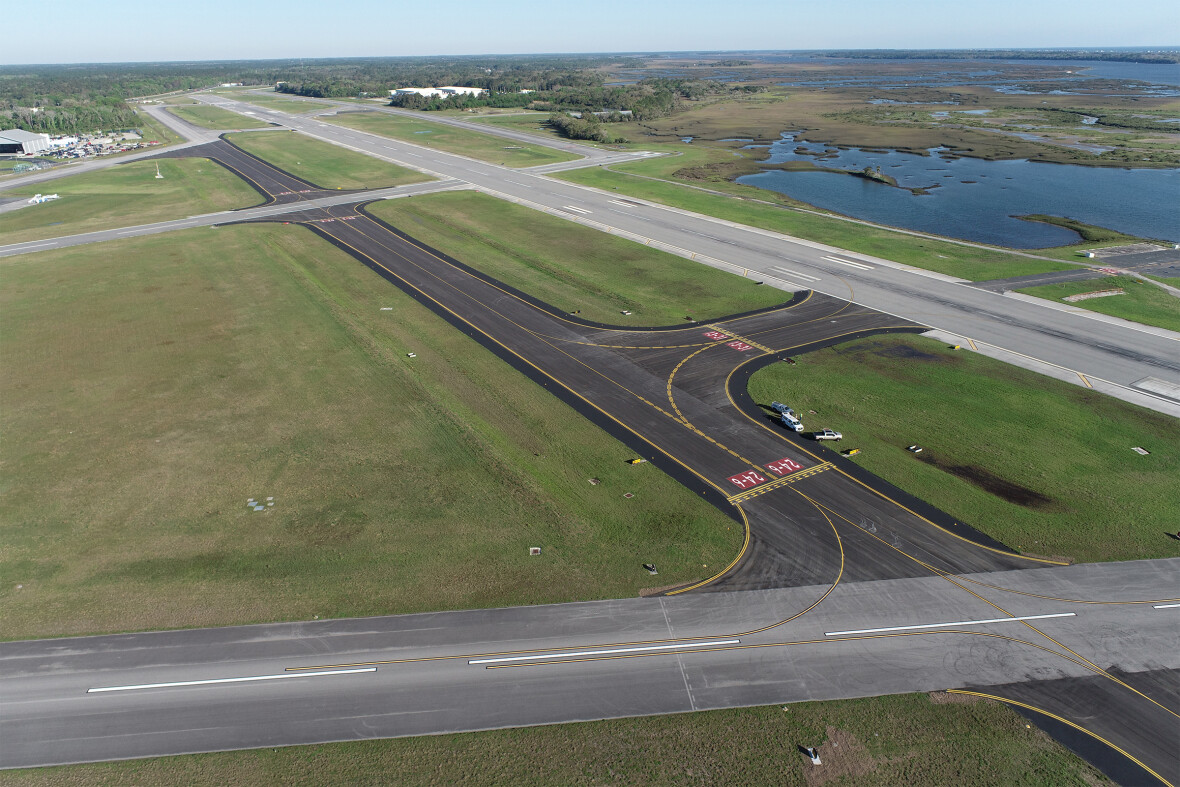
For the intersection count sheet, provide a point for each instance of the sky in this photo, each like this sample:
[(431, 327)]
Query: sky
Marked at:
[(80, 31)]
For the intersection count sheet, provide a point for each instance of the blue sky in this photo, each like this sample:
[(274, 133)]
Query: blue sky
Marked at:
[(138, 30)]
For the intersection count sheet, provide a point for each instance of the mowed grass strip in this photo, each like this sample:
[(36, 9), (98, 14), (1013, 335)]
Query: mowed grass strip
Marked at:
[(215, 118), (126, 195), (485, 147), (153, 385), (909, 740), (1043, 466), (328, 166), (572, 267), (965, 262), (1140, 301), (275, 101)]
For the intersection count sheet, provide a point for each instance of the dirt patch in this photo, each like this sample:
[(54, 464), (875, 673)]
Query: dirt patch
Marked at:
[(946, 698), (645, 592), (992, 483), (909, 352), (841, 755)]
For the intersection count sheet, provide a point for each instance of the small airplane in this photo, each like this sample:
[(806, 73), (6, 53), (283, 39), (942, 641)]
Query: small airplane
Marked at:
[(39, 198)]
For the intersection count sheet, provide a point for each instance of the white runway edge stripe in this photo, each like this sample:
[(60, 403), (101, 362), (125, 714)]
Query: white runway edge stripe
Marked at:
[(284, 676), (1165, 606), (944, 625), (604, 652)]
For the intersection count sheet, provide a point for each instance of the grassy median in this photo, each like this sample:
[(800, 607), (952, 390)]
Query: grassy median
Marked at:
[(966, 262), (912, 740), (126, 195), (153, 385), (572, 267), (215, 118), (430, 134), (1140, 301), (1043, 466), (326, 165)]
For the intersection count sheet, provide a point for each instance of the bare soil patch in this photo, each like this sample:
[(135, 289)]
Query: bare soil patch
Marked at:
[(990, 482)]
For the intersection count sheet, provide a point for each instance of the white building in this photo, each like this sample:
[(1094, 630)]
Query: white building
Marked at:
[(14, 140), (437, 92)]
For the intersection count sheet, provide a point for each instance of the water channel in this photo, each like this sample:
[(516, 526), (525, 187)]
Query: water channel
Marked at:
[(974, 199)]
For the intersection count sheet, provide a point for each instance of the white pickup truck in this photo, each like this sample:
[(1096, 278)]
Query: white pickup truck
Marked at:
[(790, 420)]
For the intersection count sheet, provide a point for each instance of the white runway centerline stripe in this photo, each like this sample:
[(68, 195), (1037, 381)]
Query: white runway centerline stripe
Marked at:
[(575, 210), (944, 625), (604, 652), (284, 676), (796, 274), (1164, 606), (850, 263)]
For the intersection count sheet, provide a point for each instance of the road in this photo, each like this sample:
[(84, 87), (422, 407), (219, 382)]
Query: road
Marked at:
[(846, 587)]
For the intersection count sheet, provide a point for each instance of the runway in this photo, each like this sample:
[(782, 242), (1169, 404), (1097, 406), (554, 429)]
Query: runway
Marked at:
[(483, 669)]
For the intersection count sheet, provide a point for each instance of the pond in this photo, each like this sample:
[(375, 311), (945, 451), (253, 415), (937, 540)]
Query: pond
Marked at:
[(974, 199)]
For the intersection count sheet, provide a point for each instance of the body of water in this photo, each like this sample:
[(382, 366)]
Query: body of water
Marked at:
[(975, 200)]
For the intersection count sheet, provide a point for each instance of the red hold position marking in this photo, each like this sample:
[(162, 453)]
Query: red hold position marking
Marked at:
[(747, 479), (739, 346), (784, 467), (716, 335)]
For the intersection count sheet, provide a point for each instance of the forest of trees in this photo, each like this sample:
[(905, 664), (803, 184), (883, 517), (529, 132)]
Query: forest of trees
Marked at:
[(68, 99), (645, 100), (91, 97)]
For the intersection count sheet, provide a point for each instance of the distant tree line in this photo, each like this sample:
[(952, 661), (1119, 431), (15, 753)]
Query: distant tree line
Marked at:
[(644, 100), (90, 97)]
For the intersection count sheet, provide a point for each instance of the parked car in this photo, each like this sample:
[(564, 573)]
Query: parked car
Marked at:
[(827, 434), (791, 422)]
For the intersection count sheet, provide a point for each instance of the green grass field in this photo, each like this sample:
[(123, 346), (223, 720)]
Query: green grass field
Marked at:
[(153, 385), (279, 102), (484, 147), (1064, 451), (126, 195), (1141, 302), (215, 118), (572, 267), (944, 257), (154, 130), (328, 166), (900, 741)]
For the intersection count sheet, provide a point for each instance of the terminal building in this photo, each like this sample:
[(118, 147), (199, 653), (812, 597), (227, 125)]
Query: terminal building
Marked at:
[(13, 140)]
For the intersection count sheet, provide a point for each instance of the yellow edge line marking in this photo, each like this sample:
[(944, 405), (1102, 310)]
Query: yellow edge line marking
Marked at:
[(751, 632), (735, 337), (727, 569), (954, 581), (474, 327), (781, 481), (1077, 727)]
